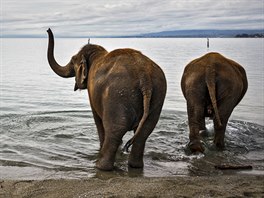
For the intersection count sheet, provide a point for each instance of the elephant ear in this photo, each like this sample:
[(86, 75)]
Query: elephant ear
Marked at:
[(84, 68)]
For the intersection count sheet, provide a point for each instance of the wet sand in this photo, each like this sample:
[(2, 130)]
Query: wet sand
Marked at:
[(202, 186)]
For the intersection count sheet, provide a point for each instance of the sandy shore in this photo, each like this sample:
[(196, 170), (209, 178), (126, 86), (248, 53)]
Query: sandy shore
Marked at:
[(214, 186)]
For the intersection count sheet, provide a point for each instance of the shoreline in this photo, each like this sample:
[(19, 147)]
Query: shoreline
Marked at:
[(179, 186)]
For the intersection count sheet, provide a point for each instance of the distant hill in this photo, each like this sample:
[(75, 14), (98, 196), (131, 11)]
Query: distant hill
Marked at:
[(206, 33), (167, 34)]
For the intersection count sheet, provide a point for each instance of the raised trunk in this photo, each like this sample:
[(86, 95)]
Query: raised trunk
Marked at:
[(63, 71)]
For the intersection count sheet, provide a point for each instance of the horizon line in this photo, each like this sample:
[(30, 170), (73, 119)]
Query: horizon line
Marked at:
[(195, 34)]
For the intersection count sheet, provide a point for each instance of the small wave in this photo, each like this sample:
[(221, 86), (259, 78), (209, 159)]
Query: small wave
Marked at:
[(67, 141), (67, 136), (245, 134), (14, 163)]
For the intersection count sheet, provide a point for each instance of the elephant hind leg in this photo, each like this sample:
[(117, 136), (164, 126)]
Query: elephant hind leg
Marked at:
[(114, 133), (136, 155), (116, 122), (225, 111), (100, 128), (108, 153), (219, 137), (196, 121)]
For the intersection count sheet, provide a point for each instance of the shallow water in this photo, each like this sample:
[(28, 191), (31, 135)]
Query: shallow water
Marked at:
[(47, 130)]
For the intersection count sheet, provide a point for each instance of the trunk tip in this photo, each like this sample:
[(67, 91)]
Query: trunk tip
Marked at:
[(49, 30)]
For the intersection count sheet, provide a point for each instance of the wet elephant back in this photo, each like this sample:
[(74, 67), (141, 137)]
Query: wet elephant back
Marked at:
[(119, 81)]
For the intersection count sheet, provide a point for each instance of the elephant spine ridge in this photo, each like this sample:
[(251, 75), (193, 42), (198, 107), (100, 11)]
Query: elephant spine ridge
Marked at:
[(210, 82)]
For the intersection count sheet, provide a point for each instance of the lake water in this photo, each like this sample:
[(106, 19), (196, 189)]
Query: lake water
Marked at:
[(47, 130)]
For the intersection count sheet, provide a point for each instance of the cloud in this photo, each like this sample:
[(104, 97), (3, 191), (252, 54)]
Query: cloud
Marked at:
[(127, 17)]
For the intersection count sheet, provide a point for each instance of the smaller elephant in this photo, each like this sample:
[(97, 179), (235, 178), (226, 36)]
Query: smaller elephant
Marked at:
[(212, 86), (126, 91)]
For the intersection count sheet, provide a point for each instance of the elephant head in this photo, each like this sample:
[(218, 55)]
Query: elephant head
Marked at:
[(79, 64)]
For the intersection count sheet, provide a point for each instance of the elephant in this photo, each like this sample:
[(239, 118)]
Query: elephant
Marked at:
[(213, 86), (126, 91)]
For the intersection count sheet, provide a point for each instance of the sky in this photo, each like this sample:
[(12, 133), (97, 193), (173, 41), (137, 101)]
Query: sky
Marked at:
[(126, 17)]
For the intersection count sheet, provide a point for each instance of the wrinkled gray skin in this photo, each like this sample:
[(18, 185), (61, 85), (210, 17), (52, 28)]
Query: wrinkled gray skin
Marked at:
[(212, 86), (126, 91)]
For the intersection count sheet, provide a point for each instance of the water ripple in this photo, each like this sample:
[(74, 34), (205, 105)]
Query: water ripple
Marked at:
[(65, 141)]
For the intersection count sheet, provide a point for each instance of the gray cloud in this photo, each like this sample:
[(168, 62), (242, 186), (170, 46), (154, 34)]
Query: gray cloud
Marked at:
[(127, 17)]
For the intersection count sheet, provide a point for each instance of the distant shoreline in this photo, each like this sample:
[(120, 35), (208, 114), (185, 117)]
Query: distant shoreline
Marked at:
[(258, 33), (76, 37)]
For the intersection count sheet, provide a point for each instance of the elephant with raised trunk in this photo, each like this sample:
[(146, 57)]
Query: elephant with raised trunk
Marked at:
[(212, 86), (126, 91)]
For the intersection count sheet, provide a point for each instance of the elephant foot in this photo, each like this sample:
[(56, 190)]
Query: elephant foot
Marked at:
[(203, 133), (219, 142), (104, 165), (196, 146), (135, 164), (219, 145)]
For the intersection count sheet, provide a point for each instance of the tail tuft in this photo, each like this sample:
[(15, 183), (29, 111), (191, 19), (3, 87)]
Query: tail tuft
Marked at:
[(127, 145)]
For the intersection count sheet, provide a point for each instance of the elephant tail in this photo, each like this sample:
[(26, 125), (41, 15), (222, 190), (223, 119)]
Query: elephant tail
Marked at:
[(147, 93), (210, 82)]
